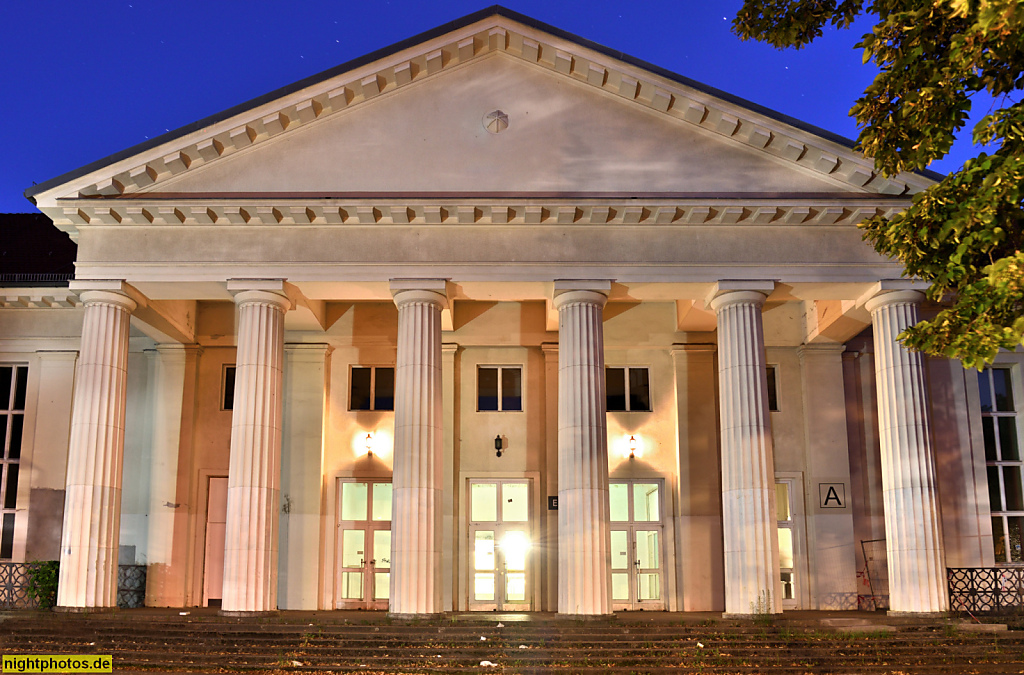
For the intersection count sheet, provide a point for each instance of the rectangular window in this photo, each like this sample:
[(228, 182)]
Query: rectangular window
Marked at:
[(13, 393), (227, 394), (1000, 427), (628, 389), (773, 396), (373, 388), (499, 388)]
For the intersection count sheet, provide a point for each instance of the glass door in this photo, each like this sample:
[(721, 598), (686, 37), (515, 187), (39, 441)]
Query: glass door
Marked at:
[(636, 529), (500, 544), (363, 557)]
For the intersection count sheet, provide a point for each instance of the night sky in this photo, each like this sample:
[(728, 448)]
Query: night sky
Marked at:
[(83, 79)]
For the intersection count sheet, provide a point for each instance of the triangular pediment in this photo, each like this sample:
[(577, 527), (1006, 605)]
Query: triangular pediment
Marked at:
[(561, 136), (412, 119)]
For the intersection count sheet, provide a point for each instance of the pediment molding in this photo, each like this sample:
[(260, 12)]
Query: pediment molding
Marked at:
[(494, 36), (400, 210)]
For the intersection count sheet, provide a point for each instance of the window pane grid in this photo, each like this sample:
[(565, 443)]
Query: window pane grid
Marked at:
[(499, 388), (1005, 470), (371, 388), (627, 389), (13, 396)]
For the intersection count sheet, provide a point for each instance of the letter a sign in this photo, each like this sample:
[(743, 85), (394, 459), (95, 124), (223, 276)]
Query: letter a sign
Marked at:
[(832, 495)]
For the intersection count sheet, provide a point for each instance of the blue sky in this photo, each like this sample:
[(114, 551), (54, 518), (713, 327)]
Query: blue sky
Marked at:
[(83, 79)]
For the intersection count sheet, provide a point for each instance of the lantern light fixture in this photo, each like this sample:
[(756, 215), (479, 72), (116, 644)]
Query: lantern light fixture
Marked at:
[(499, 445), (632, 447), (369, 444)]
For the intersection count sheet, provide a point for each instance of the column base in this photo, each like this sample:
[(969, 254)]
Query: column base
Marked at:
[(85, 610), (242, 614)]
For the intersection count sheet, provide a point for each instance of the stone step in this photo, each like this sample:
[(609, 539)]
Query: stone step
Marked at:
[(213, 644)]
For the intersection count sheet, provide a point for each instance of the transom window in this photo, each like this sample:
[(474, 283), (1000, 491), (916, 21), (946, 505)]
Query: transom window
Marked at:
[(628, 389), (999, 425), (499, 388), (13, 389), (373, 388)]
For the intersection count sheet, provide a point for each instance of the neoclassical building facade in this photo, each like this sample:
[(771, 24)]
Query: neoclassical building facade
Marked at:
[(495, 318)]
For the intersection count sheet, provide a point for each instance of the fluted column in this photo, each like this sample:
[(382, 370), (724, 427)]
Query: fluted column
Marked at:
[(584, 539), (749, 524), (92, 498), (913, 531), (416, 581), (254, 466)]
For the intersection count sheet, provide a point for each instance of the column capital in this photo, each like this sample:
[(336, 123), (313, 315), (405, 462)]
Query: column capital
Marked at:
[(450, 348), (260, 291), (886, 298), (431, 291), (108, 291), (116, 293), (732, 291)]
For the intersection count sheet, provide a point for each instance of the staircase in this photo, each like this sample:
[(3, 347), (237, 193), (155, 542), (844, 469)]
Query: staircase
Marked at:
[(369, 642)]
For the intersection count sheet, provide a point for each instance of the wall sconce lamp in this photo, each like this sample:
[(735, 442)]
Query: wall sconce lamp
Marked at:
[(632, 447), (499, 445), (369, 444)]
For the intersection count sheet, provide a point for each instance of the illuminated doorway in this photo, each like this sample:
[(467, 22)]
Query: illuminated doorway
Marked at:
[(635, 510), (500, 545), (363, 567)]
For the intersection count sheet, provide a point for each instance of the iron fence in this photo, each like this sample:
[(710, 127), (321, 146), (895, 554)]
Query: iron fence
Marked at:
[(14, 586), (131, 586), (986, 590)]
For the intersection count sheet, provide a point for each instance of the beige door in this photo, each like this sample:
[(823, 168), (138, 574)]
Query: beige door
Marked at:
[(216, 520), (363, 556), (500, 543), (637, 545)]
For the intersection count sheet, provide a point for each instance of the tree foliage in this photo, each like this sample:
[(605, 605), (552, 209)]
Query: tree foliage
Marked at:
[(965, 234)]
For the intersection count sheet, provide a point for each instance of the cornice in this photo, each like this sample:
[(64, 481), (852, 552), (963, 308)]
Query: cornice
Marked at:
[(835, 210), (550, 50), (39, 298)]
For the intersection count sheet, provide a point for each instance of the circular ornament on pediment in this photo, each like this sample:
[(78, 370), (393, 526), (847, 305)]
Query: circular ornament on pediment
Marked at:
[(496, 121)]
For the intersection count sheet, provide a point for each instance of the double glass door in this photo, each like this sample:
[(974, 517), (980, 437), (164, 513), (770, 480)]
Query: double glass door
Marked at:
[(363, 568), (636, 529), (500, 545)]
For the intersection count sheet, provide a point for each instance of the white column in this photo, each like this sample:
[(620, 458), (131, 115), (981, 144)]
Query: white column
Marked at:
[(584, 539), (749, 524), (913, 532), (92, 498), (416, 497), (254, 465)]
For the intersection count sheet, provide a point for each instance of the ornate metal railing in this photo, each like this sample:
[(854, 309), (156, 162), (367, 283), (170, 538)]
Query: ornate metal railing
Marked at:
[(14, 586), (986, 590), (131, 586)]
